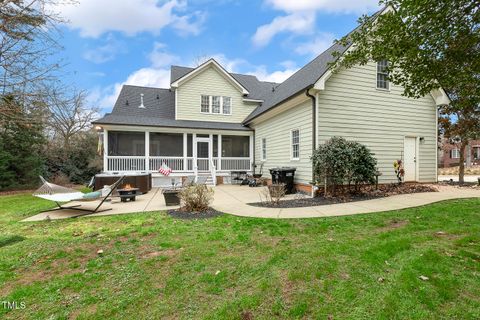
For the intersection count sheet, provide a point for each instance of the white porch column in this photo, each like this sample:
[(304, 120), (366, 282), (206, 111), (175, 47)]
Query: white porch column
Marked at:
[(219, 152), (251, 151), (185, 153), (147, 151), (194, 150), (105, 150), (210, 149)]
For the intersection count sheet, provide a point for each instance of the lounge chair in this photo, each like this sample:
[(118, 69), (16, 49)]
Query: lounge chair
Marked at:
[(59, 194)]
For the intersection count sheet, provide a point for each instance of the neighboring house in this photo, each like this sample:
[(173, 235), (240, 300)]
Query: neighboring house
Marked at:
[(213, 122), (449, 154)]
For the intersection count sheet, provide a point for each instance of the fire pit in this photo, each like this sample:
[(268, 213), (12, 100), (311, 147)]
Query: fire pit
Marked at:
[(128, 193)]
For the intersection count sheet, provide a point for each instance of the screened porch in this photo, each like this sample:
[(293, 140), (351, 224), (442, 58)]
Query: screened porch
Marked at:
[(126, 151)]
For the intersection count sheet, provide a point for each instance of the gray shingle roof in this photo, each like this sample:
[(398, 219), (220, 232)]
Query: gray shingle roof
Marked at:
[(257, 89), (159, 111), (299, 81)]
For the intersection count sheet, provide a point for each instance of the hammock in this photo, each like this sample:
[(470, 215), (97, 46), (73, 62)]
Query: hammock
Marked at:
[(58, 194)]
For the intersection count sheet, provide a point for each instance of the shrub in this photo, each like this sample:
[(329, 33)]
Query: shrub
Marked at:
[(196, 197), (340, 162), (274, 193)]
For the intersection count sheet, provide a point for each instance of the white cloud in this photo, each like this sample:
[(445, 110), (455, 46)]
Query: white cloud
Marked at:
[(300, 17), (277, 76), (159, 57), (106, 52), (157, 74), (344, 6), (301, 22), (94, 18), (317, 45)]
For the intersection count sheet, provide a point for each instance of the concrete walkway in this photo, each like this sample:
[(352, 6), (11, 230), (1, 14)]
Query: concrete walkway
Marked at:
[(466, 178), (234, 199), (152, 201)]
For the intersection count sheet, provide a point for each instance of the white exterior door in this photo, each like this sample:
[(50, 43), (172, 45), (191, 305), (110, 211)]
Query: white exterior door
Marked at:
[(203, 154), (410, 158)]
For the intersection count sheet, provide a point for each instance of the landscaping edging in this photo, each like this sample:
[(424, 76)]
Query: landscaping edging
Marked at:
[(383, 191)]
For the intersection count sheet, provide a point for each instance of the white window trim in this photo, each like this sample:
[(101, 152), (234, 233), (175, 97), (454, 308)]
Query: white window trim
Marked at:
[(291, 145), (221, 99), (264, 148), (457, 151), (376, 79), (210, 106)]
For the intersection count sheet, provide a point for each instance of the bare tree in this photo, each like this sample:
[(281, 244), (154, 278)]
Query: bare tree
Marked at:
[(28, 40), (69, 115)]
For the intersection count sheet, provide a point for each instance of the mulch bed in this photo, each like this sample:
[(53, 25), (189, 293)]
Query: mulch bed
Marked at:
[(366, 193), (188, 215)]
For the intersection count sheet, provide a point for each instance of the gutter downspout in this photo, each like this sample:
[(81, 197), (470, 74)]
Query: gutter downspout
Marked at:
[(314, 133)]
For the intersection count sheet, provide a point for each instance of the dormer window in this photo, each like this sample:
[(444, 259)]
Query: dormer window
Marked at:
[(382, 75), (227, 105), (205, 105), (216, 105)]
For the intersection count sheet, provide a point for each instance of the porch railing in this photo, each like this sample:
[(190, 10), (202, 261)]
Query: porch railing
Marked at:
[(236, 164), (175, 163), (125, 163), (138, 163)]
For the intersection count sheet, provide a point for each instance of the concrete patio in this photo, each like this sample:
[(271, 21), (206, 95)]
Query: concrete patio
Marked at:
[(234, 199)]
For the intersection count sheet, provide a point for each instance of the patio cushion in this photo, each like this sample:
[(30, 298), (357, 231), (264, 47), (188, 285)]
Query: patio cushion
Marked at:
[(92, 195)]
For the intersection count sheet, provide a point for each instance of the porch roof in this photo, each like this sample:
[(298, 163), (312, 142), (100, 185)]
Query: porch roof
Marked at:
[(169, 123)]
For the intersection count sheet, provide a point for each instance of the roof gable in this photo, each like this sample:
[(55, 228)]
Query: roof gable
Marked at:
[(215, 65)]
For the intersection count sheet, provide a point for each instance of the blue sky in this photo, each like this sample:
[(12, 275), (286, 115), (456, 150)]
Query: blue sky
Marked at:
[(108, 43)]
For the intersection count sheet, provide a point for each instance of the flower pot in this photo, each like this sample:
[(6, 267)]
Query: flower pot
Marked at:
[(171, 197)]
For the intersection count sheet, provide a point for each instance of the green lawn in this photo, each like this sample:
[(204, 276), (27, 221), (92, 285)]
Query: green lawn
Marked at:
[(157, 267)]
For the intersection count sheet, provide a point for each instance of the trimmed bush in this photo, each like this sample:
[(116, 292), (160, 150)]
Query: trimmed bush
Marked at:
[(196, 197), (342, 162)]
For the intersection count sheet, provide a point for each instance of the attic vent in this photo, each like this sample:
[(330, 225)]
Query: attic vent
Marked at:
[(141, 101)]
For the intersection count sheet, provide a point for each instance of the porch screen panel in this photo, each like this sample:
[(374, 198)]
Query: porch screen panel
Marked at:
[(166, 144), (126, 143), (235, 146)]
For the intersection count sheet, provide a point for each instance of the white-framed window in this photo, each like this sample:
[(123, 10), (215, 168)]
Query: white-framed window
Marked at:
[(227, 105), (382, 75), (215, 104), (205, 104), (476, 153), (295, 138), (455, 154), (264, 149)]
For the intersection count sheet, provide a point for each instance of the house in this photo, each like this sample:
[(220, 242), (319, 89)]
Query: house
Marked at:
[(212, 122), (449, 154)]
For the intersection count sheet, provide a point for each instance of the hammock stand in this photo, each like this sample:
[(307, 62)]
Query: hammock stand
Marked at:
[(59, 194)]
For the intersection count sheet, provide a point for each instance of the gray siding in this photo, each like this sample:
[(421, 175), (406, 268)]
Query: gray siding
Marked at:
[(210, 82), (277, 131), (352, 107)]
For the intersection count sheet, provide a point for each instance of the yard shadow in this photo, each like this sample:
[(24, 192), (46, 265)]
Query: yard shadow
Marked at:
[(9, 240)]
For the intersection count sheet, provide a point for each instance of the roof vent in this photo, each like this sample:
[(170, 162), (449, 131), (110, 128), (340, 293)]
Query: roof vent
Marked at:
[(158, 97), (273, 89), (141, 101), (126, 103)]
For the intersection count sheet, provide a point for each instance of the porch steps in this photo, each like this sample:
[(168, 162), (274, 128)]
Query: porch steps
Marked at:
[(208, 176)]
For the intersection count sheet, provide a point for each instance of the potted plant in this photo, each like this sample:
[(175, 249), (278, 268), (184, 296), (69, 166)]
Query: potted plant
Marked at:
[(171, 195)]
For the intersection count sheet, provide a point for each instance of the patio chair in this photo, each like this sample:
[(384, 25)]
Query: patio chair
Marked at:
[(59, 194)]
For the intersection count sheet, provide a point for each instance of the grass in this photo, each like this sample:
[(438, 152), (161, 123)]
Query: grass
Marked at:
[(157, 267)]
